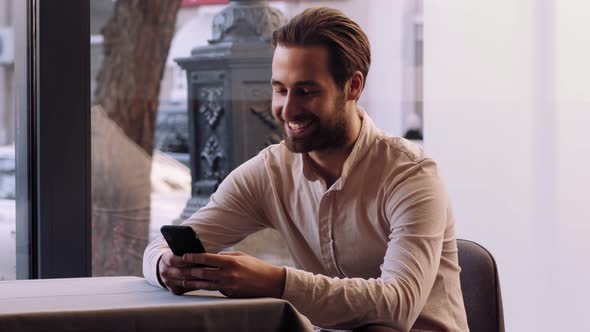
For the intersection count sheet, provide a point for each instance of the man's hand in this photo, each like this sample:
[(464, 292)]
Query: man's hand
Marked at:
[(171, 271), (234, 274)]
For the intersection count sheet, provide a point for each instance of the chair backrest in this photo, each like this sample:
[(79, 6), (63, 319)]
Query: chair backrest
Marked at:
[(481, 288)]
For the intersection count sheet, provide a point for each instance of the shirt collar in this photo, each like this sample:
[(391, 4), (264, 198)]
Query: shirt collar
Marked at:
[(365, 140)]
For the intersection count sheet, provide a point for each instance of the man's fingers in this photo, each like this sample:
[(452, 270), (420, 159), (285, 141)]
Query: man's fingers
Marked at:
[(182, 286), (180, 281), (192, 273), (171, 260), (204, 273), (173, 273), (177, 290), (176, 286), (200, 284), (213, 260)]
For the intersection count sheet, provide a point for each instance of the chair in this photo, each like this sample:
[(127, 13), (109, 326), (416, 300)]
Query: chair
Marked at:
[(481, 288)]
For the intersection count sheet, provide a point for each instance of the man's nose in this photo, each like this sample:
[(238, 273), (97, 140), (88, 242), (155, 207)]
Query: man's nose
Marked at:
[(290, 107)]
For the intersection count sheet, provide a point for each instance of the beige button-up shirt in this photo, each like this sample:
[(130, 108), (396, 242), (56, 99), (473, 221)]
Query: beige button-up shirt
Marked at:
[(376, 247)]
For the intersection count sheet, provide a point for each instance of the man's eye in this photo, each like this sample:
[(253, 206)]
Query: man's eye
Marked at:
[(281, 91), (308, 92)]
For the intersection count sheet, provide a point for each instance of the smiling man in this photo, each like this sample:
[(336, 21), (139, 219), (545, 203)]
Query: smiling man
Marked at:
[(364, 214)]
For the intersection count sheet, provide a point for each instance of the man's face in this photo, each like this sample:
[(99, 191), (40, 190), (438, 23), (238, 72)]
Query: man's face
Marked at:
[(307, 103)]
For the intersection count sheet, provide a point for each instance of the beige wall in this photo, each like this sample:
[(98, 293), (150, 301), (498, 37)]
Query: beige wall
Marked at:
[(507, 110)]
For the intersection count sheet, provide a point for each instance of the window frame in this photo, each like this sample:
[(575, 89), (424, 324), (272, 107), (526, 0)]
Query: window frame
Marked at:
[(53, 174)]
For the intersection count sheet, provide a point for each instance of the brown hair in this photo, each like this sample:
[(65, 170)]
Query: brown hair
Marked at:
[(348, 46)]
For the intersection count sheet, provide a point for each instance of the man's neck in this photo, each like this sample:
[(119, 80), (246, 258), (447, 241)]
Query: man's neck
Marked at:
[(329, 163)]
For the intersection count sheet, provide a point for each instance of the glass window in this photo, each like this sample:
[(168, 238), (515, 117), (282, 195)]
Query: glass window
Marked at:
[(139, 131), (177, 105), (7, 145)]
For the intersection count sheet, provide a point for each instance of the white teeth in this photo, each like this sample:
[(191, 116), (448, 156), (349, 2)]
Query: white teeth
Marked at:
[(298, 125)]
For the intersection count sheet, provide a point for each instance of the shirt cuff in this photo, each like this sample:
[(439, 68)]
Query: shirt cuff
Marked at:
[(150, 267)]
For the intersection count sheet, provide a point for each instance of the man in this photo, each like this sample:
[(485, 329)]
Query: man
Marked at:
[(364, 215)]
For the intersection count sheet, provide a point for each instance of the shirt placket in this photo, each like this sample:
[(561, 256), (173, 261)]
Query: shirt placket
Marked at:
[(325, 223)]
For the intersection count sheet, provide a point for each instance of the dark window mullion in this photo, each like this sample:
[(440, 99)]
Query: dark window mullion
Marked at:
[(55, 202)]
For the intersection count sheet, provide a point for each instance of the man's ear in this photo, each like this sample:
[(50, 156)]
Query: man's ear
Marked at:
[(355, 86)]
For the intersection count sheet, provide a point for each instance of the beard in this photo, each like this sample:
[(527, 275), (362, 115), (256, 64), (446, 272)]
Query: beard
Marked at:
[(327, 134)]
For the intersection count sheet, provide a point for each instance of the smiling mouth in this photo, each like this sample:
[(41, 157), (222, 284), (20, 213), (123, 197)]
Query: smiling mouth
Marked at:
[(299, 128), (299, 125)]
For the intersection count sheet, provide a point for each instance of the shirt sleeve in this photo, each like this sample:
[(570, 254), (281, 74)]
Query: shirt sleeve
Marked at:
[(233, 212), (417, 207)]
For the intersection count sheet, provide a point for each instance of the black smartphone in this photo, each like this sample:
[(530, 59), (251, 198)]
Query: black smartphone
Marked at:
[(182, 240)]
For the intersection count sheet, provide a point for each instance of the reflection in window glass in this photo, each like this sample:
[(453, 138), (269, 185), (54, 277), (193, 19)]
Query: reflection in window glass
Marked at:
[(7, 140), (137, 182), (158, 93)]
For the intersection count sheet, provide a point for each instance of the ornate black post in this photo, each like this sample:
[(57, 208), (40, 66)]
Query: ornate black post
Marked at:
[(229, 96)]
